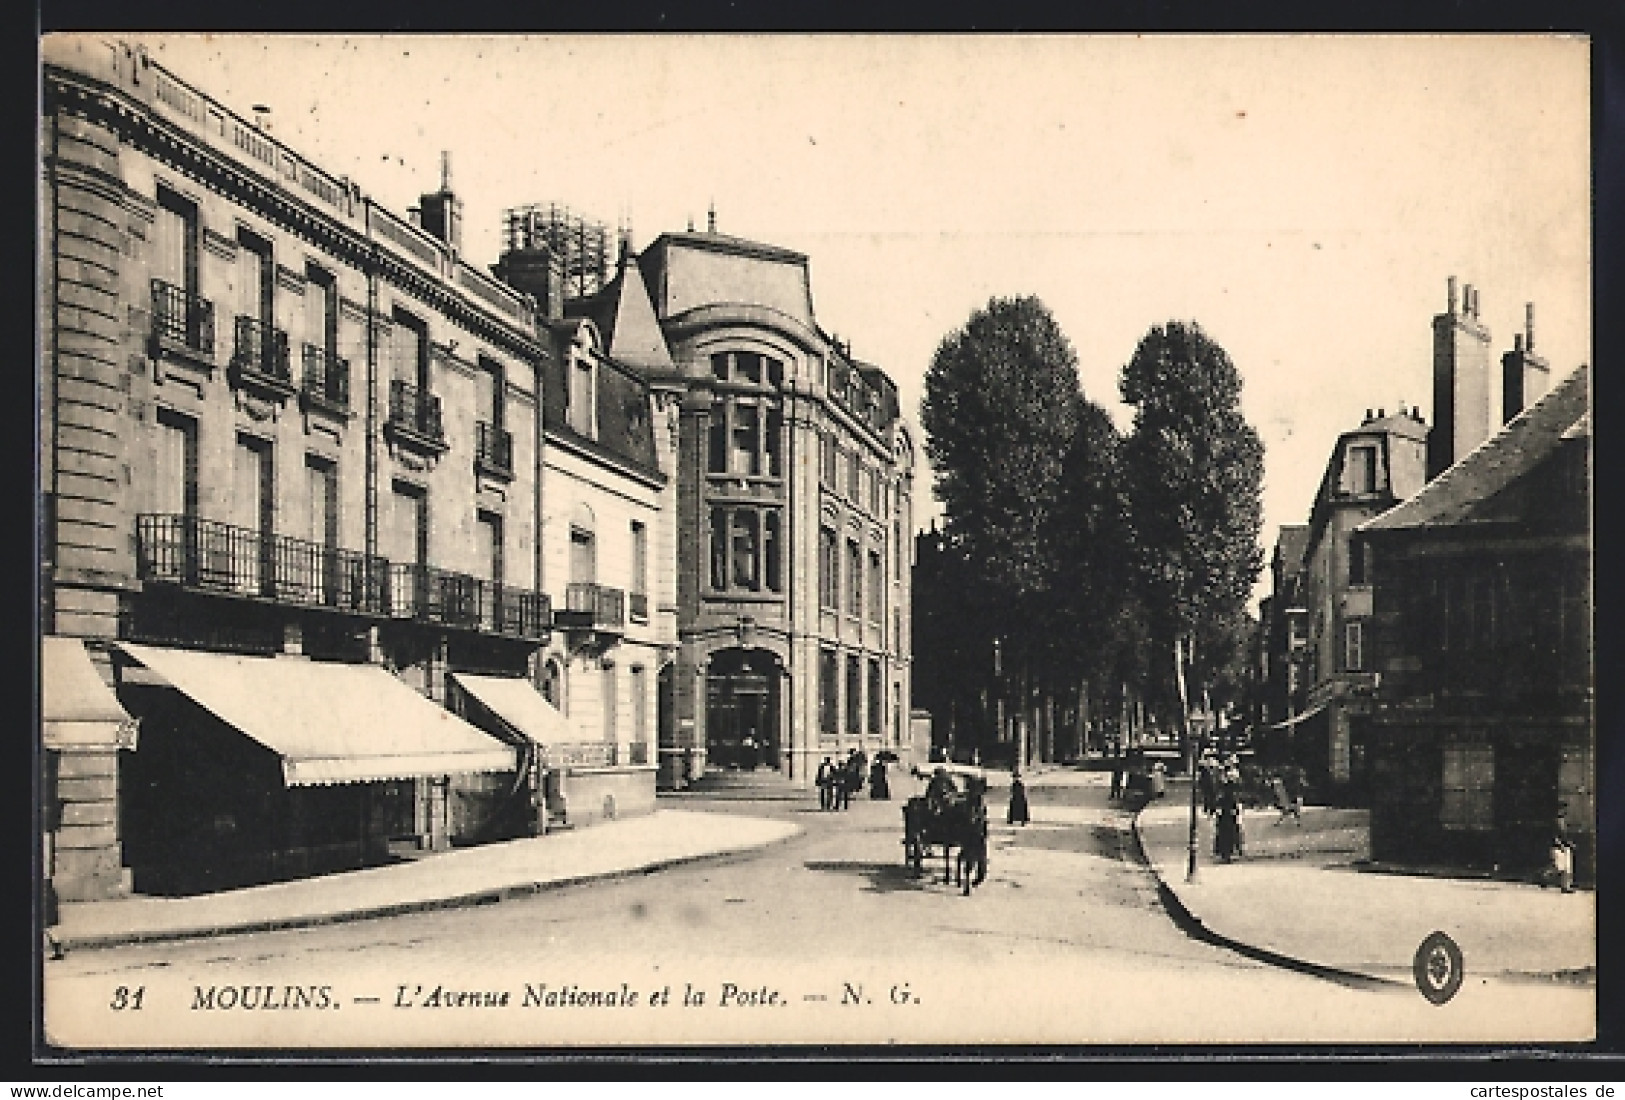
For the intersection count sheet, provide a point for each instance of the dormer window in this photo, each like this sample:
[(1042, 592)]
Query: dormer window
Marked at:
[(583, 392), (1362, 477)]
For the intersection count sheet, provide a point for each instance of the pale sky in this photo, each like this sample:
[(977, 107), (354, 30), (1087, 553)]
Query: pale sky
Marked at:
[(1303, 198)]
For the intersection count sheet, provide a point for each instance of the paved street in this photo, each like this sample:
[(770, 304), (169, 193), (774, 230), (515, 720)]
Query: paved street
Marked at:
[(825, 937)]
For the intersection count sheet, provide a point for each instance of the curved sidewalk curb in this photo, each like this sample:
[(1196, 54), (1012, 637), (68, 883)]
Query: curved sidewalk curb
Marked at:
[(1193, 925), (57, 944)]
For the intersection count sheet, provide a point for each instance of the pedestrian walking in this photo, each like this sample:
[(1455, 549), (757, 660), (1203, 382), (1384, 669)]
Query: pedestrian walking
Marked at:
[(826, 785), (1116, 793), (1017, 814), (879, 785), (1227, 825), (1562, 853), (1208, 782), (1159, 780)]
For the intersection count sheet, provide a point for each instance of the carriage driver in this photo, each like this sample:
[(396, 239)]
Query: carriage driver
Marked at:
[(939, 790)]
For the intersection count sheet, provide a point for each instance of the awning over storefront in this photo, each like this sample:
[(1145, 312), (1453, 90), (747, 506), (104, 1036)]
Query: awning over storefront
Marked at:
[(77, 709), (1299, 718), (330, 723), (519, 705)]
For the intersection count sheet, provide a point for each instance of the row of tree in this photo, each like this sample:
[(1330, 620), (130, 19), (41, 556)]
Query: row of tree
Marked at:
[(1083, 577)]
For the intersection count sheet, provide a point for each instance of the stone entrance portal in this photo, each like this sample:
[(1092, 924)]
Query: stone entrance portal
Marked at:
[(742, 710)]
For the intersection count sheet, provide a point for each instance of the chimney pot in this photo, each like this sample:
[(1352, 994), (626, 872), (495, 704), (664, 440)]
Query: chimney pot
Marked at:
[(1529, 326), (1381, 413), (1367, 417), (1451, 295), (1517, 341)]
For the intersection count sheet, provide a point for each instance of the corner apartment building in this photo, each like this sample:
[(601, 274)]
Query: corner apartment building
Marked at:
[(292, 481), (794, 488)]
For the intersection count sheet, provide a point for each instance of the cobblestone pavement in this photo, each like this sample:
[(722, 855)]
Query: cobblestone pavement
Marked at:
[(823, 938)]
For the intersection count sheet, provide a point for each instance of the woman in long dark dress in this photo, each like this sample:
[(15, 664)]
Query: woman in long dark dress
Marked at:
[(1018, 814), (1227, 824), (879, 785)]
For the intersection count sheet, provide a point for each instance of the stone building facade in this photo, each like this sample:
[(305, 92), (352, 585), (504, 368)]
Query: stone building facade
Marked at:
[(291, 438), (794, 508)]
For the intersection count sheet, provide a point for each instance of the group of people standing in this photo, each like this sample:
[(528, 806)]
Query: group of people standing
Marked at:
[(837, 783)]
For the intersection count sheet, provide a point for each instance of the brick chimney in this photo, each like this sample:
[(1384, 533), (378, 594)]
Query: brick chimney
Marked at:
[(1524, 375), (1461, 381), (442, 210)]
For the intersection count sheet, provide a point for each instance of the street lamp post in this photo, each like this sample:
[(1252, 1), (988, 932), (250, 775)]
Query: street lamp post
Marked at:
[(998, 696), (1190, 864)]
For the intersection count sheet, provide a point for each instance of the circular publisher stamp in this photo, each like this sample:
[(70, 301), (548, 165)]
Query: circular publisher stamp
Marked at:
[(1438, 968)]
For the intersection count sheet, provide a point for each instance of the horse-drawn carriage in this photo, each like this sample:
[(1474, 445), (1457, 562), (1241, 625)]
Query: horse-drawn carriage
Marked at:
[(951, 814)]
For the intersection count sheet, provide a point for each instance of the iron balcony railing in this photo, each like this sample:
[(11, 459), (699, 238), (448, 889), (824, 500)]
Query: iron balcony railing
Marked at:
[(638, 606), (429, 594), (415, 410), (326, 378), (220, 557), (493, 448), (595, 605), (182, 319), (261, 349)]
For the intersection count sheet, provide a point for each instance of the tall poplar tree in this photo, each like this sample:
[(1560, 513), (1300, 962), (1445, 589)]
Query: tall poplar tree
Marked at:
[(1194, 472), (1000, 412)]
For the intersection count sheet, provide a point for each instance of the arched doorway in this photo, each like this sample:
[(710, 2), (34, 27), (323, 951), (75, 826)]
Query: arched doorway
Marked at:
[(742, 709)]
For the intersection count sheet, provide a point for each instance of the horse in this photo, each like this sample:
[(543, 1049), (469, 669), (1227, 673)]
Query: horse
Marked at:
[(953, 821)]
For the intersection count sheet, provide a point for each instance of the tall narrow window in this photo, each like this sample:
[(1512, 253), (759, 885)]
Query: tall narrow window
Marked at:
[(253, 502), (828, 687), (179, 315), (612, 703), (771, 548), (256, 281), (583, 556), (409, 538), (718, 438), (489, 525), (638, 688), (775, 433), (746, 558), (321, 310), (829, 563), (1354, 646), (854, 578), (747, 439), (411, 357), (719, 549), (322, 529), (175, 241), (876, 589), (583, 417), (897, 549), (875, 698), (640, 558), (854, 694), (175, 472)]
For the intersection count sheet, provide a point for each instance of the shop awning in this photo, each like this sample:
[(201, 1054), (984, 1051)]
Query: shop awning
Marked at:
[(330, 723), (77, 709), (519, 705)]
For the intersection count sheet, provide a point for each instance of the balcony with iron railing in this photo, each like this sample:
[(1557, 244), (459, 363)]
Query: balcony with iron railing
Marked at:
[(594, 607), (493, 450), (428, 594), (182, 322), (326, 380), (259, 357), (414, 417), (637, 606), (219, 557)]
